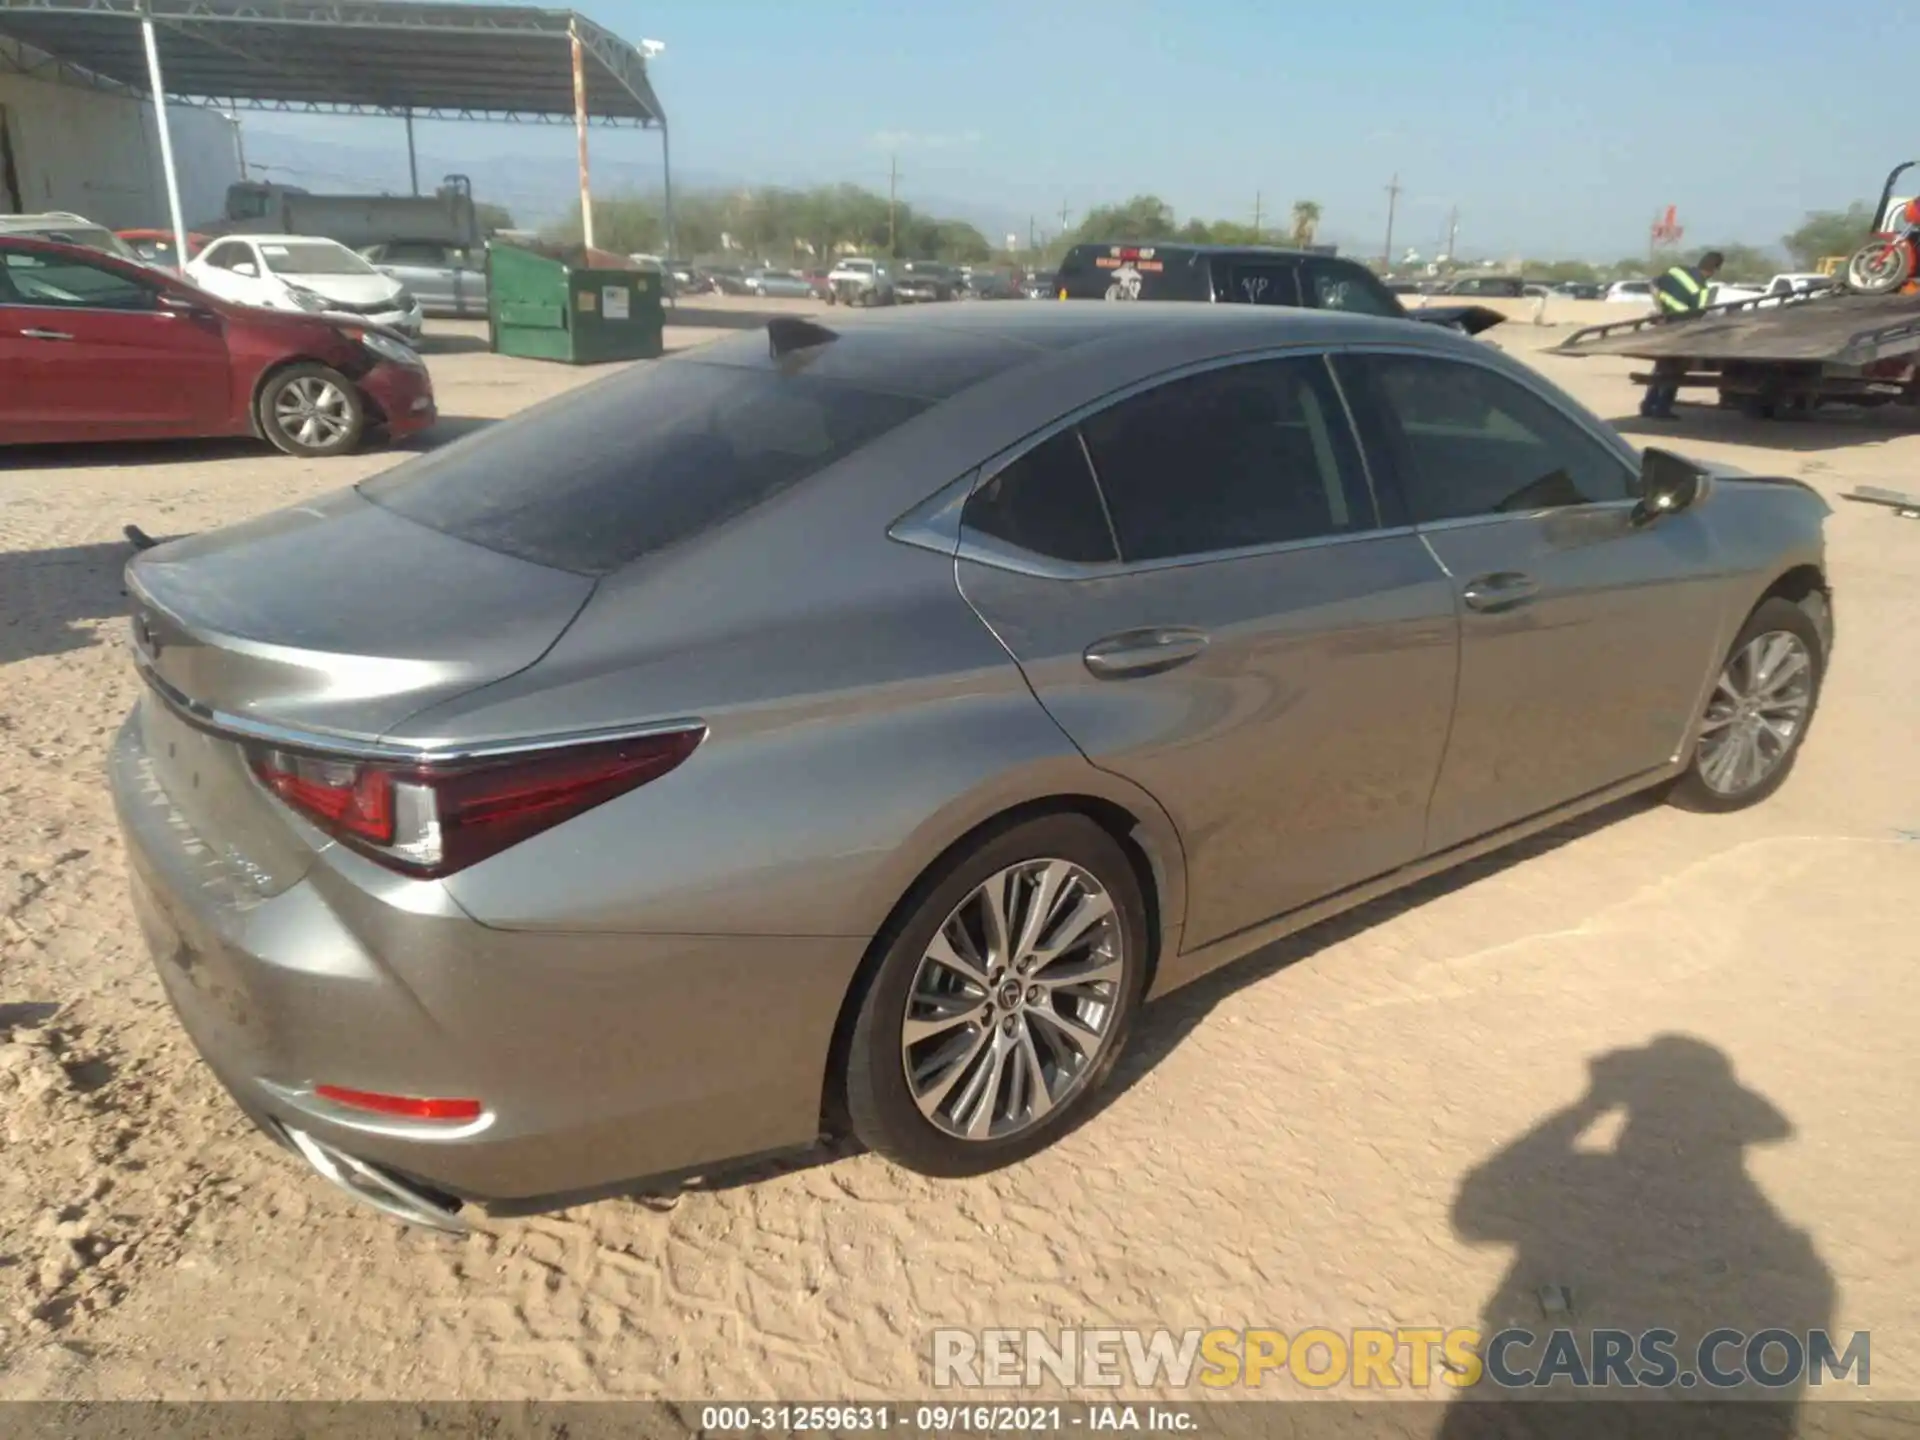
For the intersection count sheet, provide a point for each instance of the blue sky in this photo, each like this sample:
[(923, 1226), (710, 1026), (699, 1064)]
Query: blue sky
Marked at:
[(1556, 128)]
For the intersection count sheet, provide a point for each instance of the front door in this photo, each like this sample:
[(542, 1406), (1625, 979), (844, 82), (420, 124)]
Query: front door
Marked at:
[(1195, 582), (104, 358), (1585, 636)]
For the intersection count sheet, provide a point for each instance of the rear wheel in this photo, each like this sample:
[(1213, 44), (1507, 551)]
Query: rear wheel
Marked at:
[(1003, 999), (1758, 714), (311, 409)]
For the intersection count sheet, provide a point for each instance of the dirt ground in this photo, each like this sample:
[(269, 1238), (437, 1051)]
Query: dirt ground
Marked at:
[(1370, 1125)]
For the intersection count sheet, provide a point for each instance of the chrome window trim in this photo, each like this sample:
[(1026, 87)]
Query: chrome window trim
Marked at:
[(935, 523), (344, 747)]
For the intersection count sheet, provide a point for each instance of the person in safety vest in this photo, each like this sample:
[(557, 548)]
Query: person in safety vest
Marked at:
[(1680, 292)]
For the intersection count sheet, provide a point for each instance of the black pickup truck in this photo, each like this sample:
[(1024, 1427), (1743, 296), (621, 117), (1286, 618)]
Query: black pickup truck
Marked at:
[(1246, 275)]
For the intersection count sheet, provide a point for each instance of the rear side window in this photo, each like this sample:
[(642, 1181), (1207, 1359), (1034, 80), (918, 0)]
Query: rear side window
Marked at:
[(1256, 282), (1133, 272), (1045, 503), (596, 479), (1332, 286), (1251, 455)]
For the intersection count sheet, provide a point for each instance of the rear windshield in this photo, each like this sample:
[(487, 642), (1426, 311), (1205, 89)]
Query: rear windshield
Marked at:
[(598, 478), (1129, 272)]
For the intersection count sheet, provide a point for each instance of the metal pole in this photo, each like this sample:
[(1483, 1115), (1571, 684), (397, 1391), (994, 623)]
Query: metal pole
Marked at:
[(666, 183), (1393, 199), (413, 160), (159, 88), (580, 128)]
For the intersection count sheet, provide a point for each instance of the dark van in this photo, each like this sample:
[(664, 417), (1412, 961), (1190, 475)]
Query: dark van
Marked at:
[(1246, 275)]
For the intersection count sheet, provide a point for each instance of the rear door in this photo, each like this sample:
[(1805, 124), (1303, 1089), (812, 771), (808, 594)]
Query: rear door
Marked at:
[(103, 357), (1585, 637), (1196, 583)]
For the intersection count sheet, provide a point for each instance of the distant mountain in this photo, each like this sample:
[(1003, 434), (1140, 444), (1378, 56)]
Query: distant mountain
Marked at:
[(540, 188)]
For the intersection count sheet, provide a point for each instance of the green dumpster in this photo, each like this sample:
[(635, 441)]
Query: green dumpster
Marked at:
[(583, 307)]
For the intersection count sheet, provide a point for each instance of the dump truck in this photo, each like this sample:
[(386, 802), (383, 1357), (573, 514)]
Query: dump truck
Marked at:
[(356, 221)]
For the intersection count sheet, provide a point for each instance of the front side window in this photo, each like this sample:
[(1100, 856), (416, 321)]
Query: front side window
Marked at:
[(73, 284), (1468, 441), (1045, 503), (230, 256), (1246, 456)]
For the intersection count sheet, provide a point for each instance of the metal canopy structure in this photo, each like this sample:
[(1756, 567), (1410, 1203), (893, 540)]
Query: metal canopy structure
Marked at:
[(352, 57), (375, 57)]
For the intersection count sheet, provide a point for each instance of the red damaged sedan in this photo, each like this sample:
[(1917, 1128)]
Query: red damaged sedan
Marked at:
[(93, 347)]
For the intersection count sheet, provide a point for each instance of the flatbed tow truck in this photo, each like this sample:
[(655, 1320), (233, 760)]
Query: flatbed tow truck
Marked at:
[(1773, 357)]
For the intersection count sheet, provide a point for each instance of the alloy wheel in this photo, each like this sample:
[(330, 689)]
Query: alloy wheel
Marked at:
[(313, 411), (1014, 1000), (1756, 713)]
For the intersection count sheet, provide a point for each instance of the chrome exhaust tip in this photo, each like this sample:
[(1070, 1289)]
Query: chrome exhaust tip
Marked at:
[(375, 1187)]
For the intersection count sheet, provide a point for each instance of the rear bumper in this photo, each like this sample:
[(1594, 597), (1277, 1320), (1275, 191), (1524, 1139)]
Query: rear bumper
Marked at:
[(404, 395), (597, 1059)]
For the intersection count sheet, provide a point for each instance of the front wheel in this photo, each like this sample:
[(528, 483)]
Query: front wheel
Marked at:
[(1881, 266), (1003, 998), (1758, 714), (311, 410)]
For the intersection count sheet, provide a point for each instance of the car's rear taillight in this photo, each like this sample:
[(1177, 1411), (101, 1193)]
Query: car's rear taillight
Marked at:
[(430, 819)]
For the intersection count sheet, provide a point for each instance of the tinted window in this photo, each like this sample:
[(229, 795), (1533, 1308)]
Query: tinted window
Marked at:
[(1348, 287), (413, 252), (1252, 455), (56, 280), (634, 464), (1128, 272), (1045, 503), (1255, 283), (1472, 442)]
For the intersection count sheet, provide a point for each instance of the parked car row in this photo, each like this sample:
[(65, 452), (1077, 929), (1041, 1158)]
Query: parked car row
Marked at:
[(99, 346)]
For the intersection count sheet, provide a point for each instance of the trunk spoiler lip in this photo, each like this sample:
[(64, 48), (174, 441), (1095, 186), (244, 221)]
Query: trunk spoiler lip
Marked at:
[(339, 745), (1473, 319)]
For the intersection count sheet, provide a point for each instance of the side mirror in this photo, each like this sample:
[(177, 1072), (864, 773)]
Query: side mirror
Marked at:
[(1668, 483), (181, 304), (248, 269)]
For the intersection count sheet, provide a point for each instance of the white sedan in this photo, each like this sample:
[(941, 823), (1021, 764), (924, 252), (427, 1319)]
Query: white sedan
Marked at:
[(306, 273)]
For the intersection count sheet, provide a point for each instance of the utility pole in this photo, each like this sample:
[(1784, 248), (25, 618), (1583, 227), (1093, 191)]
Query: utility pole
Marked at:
[(1453, 230), (893, 190), (1393, 199), (1256, 217), (1033, 234), (1064, 212)]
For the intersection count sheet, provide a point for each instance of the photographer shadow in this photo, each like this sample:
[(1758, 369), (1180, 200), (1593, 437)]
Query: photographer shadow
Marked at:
[(1663, 1228)]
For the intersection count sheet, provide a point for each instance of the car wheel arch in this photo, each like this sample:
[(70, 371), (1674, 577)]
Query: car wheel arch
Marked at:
[(280, 367), (1146, 836), (1804, 585)]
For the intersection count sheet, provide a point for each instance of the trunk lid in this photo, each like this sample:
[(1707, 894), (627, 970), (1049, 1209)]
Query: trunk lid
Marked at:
[(339, 617)]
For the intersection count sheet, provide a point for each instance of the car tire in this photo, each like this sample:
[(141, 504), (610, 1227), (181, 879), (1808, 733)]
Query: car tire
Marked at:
[(311, 410), (1772, 676), (1001, 1058)]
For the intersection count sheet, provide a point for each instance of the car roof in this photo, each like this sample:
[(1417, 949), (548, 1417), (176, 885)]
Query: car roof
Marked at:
[(1187, 247), (887, 350)]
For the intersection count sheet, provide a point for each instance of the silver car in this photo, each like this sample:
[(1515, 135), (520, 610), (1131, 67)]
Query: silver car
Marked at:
[(847, 729), (778, 284), (448, 280)]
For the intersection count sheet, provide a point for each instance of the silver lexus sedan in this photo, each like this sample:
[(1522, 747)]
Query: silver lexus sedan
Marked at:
[(846, 730)]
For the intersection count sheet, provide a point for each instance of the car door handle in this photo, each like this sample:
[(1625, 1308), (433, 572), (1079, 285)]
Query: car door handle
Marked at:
[(46, 335), (1501, 590), (1143, 652)]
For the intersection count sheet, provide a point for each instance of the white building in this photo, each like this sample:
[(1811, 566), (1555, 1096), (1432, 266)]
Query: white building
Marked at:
[(94, 149)]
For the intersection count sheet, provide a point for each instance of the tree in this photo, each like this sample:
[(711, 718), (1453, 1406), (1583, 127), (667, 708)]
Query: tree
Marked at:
[(1743, 262), (1830, 232), (1144, 217), (1306, 220), (492, 217)]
